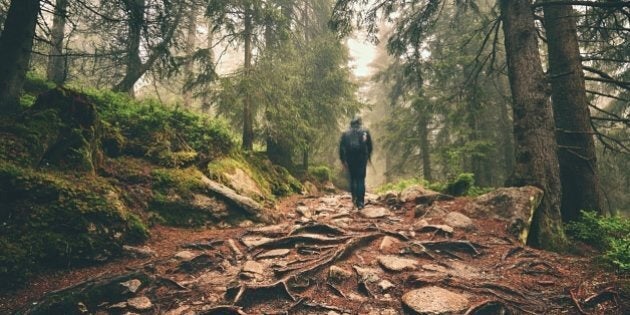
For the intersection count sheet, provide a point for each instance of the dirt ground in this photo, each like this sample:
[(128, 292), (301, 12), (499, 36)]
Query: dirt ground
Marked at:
[(378, 255)]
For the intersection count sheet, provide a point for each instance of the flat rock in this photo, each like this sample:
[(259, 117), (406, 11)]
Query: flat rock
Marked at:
[(416, 193), (329, 201), (139, 252), (395, 263), (387, 243), (185, 255), (251, 266), (435, 301), (432, 211), (375, 212), (338, 274), (141, 303), (387, 311), (458, 220), (132, 285), (241, 182), (178, 311), (251, 241), (274, 253), (434, 268), (385, 285), (304, 211), (441, 228), (367, 274)]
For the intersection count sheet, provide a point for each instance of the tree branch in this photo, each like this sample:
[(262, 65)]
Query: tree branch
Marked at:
[(610, 4)]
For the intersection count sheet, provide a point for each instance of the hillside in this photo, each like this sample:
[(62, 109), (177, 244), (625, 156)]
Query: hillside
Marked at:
[(83, 173)]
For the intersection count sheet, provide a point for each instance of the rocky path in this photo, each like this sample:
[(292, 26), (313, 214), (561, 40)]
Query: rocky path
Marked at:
[(418, 253)]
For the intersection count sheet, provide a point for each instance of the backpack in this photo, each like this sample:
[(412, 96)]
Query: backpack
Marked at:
[(357, 141)]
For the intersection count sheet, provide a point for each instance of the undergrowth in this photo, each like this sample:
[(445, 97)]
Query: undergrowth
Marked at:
[(462, 185), (611, 235)]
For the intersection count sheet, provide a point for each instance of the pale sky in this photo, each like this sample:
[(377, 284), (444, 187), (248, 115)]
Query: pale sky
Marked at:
[(362, 53)]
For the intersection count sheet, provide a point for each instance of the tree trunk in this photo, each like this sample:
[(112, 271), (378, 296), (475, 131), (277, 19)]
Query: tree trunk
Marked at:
[(56, 71), (425, 150), (16, 42), (576, 148), (507, 140), (534, 133), (248, 128), (191, 38), (134, 63), (206, 103), (305, 163)]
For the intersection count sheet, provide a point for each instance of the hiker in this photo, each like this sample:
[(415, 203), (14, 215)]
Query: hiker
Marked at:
[(355, 149)]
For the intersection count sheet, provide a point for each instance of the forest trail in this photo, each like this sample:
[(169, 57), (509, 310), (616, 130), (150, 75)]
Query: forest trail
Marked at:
[(327, 258)]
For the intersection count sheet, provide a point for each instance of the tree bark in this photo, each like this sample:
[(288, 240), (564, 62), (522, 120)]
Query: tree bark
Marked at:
[(425, 149), (534, 133), (16, 42), (135, 68), (135, 8), (191, 38), (56, 70), (507, 140), (206, 103), (576, 147), (248, 129)]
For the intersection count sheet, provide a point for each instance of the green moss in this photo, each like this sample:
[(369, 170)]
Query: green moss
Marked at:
[(272, 180), (57, 220), (176, 210), (183, 181), (320, 173), (173, 198), (137, 230), (400, 185)]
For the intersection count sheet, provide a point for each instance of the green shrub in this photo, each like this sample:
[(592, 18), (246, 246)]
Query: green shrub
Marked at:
[(320, 173), (611, 235), (461, 185), (401, 185), (168, 135)]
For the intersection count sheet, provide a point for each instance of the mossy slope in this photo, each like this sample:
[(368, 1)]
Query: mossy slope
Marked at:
[(82, 173)]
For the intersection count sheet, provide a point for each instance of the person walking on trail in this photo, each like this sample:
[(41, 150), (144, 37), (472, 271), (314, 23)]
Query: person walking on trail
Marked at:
[(355, 149)]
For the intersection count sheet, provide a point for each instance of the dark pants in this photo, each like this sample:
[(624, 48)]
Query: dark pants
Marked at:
[(356, 167)]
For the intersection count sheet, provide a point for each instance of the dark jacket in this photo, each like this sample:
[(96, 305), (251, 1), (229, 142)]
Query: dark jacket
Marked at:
[(346, 154)]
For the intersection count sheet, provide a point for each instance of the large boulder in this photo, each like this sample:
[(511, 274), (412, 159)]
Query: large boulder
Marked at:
[(420, 195), (514, 204)]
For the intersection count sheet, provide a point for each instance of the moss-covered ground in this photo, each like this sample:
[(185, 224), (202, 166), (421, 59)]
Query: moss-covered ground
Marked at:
[(84, 172)]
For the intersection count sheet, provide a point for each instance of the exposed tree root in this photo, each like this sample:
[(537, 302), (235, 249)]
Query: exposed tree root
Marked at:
[(319, 228), (464, 246), (489, 307), (436, 229), (335, 290), (171, 282), (608, 294), (248, 293), (292, 240), (324, 307), (210, 244), (418, 249), (224, 310), (511, 252), (576, 302), (235, 250)]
